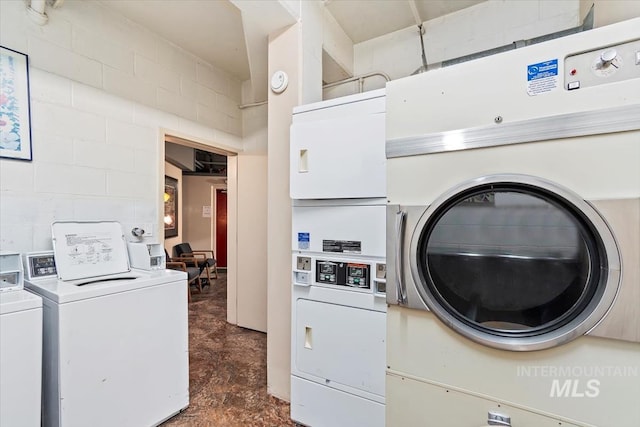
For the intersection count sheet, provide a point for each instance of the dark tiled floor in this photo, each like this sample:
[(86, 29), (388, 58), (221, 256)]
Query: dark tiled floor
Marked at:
[(227, 370)]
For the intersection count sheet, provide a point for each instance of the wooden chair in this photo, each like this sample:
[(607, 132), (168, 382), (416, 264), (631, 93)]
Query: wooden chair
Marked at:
[(193, 273), (204, 259)]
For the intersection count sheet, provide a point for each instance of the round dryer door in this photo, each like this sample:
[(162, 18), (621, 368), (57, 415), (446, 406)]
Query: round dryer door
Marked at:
[(515, 262)]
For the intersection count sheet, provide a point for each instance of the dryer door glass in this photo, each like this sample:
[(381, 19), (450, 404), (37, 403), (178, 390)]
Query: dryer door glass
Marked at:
[(510, 260)]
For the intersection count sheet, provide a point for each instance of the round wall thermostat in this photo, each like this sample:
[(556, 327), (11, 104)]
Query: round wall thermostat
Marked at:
[(279, 81)]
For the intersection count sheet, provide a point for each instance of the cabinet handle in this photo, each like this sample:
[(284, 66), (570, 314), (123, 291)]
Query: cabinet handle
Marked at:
[(303, 161)]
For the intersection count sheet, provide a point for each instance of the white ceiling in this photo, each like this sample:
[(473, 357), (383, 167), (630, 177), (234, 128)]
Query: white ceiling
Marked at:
[(213, 29)]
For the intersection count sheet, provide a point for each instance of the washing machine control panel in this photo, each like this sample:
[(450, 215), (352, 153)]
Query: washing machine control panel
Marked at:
[(38, 265), (607, 64), (340, 273)]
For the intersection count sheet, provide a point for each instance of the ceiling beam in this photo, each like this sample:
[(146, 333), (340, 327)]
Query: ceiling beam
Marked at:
[(259, 19)]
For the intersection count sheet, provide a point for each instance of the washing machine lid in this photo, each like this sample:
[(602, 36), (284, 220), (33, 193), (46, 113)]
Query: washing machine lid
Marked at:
[(89, 249), (60, 291), (18, 300)]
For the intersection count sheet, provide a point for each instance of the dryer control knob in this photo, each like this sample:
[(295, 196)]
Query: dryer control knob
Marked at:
[(608, 55)]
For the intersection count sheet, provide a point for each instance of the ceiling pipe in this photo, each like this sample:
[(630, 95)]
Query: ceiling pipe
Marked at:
[(424, 67), (359, 79), (415, 13), (253, 104), (416, 16), (36, 11)]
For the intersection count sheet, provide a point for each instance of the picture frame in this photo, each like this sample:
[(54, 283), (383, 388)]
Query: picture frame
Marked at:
[(15, 105), (171, 219)]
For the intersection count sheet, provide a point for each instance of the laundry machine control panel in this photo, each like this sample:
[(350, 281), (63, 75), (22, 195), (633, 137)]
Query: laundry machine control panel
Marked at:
[(607, 64), (40, 265), (343, 274)]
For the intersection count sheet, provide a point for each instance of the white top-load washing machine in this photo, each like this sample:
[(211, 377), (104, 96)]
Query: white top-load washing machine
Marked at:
[(514, 237), (338, 261), (20, 347), (115, 340)]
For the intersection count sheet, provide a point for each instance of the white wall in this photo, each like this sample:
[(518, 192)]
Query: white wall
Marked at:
[(96, 155), (92, 160), (311, 38), (252, 242), (197, 229), (610, 11), (254, 124), (484, 26), (88, 43), (284, 54), (336, 43), (297, 51), (232, 240)]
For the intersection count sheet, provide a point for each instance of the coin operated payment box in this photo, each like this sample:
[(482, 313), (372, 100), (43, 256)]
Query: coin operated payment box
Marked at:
[(343, 274), (146, 256), (40, 265), (11, 273)]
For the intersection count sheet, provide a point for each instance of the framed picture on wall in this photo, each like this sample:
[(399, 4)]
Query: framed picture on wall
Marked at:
[(170, 207), (15, 115)]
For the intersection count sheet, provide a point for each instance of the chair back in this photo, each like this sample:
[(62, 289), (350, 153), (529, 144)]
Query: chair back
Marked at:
[(182, 248)]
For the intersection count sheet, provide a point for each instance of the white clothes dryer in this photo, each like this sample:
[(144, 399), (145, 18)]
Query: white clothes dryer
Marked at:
[(338, 315), (338, 248), (514, 237), (20, 358)]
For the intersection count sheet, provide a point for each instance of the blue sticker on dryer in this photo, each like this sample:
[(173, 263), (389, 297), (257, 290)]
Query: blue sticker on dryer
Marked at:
[(542, 77), (303, 240)]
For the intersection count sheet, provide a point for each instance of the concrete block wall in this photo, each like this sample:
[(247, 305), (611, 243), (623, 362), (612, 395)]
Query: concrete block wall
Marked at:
[(86, 42), (99, 108), (95, 157), (484, 26), (88, 164)]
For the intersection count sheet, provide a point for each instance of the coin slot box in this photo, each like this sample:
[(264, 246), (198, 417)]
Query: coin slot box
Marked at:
[(350, 274), (11, 273), (40, 265), (146, 256), (303, 263)]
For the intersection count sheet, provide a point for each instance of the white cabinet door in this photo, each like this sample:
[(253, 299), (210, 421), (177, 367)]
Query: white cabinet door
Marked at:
[(341, 345), (339, 158)]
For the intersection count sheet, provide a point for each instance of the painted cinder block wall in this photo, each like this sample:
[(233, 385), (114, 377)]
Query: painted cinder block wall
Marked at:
[(100, 98), (88, 43)]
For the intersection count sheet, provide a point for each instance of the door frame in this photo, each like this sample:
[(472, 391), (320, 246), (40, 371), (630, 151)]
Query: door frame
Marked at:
[(168, 135)]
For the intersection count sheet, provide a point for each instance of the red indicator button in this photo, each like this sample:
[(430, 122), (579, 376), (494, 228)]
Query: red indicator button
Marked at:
[(573, 72)]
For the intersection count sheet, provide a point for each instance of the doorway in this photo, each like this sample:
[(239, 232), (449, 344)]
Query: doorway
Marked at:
[(200, 170), (246, 227)]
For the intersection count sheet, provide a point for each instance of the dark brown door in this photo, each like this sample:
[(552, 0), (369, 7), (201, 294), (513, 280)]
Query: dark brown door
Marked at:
[(221, 227)]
